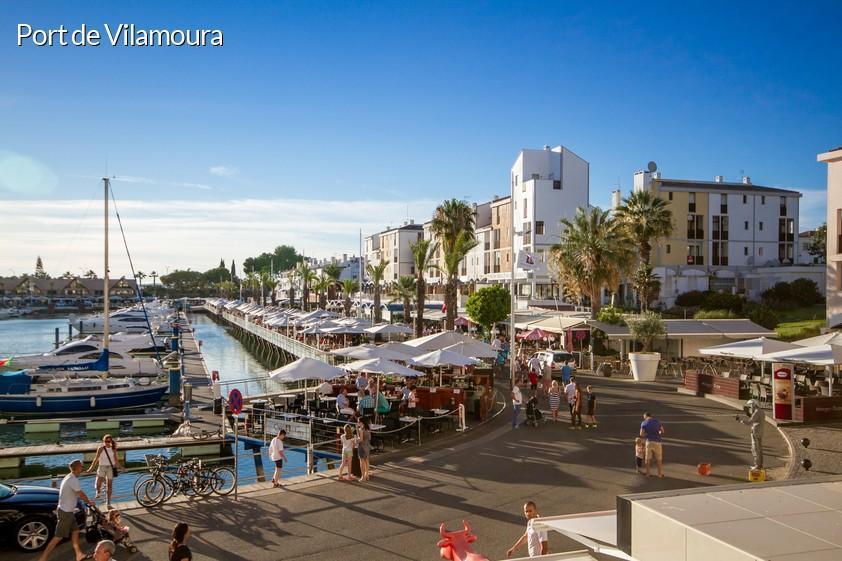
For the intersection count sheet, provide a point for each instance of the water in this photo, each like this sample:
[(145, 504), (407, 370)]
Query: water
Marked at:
[(22, 336)]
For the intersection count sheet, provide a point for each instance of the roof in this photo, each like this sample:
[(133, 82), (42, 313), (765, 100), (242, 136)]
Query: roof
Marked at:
[(724, 186), (693, 328)]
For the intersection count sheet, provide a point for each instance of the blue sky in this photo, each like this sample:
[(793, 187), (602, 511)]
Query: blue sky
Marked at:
[(405, 102)]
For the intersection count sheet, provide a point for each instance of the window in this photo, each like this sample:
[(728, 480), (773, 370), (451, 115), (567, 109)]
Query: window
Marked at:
[(557, 184), (720, 228), (745, 199), (412, 269), (745, 250), (719, 254), (694, 255), (691, 206), (539, 227), (760, 226), (760, 251), (669, 249), (695, 227), (669, 195), (746, 224), (723, 203), (783, 206), (524, 208)]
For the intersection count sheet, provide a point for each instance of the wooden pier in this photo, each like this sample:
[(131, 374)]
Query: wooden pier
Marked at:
[(47, 426)]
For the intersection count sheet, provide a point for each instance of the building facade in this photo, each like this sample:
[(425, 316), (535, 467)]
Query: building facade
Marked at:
[(393, 247), (833, 159)]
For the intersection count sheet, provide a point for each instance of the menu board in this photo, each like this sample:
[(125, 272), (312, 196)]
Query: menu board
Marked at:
[(783, 391)]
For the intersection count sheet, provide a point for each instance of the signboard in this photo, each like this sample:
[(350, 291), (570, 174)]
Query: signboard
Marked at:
[(295, 429), (235, 401), (783, 391)]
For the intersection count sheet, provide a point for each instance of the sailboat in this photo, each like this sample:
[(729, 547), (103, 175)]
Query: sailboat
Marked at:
[(20, 394)]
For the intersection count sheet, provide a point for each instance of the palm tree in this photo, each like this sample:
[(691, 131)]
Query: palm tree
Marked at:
[(376, 274), (307, 277), (251, 283), (291, 278), (322, 284), (349, 286), (647, 219), (140, 275), (265, 280), (333, 271), (403, 291), (153, 274), (453, 224), (594, 252), (89, 274), (423, 255)]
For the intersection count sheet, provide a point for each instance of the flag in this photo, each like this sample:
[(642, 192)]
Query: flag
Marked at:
[(527, 261), (6, 361)]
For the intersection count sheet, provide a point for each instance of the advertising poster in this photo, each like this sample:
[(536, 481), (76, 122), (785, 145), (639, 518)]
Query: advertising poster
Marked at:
[(783, 391)]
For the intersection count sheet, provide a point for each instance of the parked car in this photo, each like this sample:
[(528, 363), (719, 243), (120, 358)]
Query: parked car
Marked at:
[(556, 359), (27, 515)]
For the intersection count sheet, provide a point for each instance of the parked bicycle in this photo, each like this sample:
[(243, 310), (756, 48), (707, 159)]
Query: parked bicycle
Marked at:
[(188, 477)]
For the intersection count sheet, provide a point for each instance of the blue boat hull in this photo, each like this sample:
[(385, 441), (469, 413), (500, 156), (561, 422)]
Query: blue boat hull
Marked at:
[(67, 403)]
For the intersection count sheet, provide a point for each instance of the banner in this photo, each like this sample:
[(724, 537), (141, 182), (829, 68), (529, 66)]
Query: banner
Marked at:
[(527, 261), (783, 391), (296, 430)]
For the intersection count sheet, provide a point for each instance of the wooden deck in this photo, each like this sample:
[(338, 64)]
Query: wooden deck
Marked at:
[(130, 443)]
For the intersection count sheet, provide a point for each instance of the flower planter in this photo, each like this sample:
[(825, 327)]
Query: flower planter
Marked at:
[(644, 366)]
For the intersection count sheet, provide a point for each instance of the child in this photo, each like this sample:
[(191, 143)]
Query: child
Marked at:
[(348, 442), (120, 532), (639, 453)]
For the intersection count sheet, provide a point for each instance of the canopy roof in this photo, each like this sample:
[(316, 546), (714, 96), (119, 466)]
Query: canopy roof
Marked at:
[(442, 358), (370, 351), (731, 328), (381, 366), (440, 340), (475, 349), (832, 338), (821, 355), (390, 329), (306, 369), (750, 348)]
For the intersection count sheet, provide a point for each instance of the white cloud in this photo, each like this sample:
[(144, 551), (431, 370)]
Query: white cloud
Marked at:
[(201, 186), (134, 179), (224, 171), (186, 233)]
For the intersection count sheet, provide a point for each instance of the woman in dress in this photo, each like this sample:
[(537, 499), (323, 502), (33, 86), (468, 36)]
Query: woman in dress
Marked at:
[(348, 443), (178, 545), (555, 398), (107, 462), (364, 446)]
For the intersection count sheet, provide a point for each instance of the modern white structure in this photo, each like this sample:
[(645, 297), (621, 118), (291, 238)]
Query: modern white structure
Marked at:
[(393, 247), (833, 159)]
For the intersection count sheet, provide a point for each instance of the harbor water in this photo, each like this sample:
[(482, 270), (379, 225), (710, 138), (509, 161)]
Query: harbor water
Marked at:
[(222, 352)]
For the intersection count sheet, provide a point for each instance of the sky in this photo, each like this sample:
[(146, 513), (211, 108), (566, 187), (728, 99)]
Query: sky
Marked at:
[(318, 120)]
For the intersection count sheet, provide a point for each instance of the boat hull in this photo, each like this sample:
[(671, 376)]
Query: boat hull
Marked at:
[(67, 403)]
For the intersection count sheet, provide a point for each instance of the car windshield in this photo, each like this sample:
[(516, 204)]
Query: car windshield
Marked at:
[(561, 357), (6, 491)]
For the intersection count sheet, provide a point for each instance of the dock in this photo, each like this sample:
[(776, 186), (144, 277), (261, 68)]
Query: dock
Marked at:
[(46, 426)]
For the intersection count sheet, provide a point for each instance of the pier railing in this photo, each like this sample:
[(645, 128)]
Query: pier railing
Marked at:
[(281, 341)]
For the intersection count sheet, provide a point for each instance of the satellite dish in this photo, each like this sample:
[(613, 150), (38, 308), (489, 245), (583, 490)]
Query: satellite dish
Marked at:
[(652, 167)]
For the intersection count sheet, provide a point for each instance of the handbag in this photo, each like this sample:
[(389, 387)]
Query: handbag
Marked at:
[(114, 472)]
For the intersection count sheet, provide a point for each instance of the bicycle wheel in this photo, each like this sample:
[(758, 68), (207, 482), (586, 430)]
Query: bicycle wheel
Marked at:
[(224, 480), (203, 481), (141, 480), (151, 492)]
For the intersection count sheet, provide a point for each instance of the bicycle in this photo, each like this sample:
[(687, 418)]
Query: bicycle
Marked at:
[(189, 477), (186, 429)]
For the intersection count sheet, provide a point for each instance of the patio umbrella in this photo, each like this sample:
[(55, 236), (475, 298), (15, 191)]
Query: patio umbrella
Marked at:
[(821, 355), (475, 349), (834, 338), (345, 351), (367, 353), (536, 334), (438, 341), (389, 329), (381, 366), (750, 348), (403, 348), (306, 369), (442, 358)]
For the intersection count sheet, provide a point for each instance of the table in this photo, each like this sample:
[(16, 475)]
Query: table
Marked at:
[(408, 419), (441, 411), (329, 399), (374, 426)]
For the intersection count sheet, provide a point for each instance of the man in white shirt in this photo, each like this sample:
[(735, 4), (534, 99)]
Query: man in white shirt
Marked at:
[(517, 401), (69, 493), (277, 455), (536, 540)]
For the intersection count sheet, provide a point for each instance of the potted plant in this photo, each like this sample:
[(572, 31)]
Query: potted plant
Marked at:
[(644, 328)]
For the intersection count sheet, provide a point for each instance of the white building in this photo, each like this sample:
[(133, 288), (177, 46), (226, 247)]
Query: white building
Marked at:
[(805, 240), (349, 265), (393, 247), (833, 159), (547, 186)]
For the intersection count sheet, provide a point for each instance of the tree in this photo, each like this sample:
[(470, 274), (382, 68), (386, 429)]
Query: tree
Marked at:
[(647, 284), (89, 274), (282, 258), (40, 273), (818, 244), (140, 275), (233, 270), (349, 286), (185, 283), (453, 224), (154, 275), (423, 253), (376, 273), (489, 305), (222, 264), (645, 327), (67, 275), (403, 291), (593, 253), (217, 275), (307, 277), (321, 286)]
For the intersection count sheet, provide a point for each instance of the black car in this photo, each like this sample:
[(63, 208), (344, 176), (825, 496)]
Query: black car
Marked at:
[(27, 515)]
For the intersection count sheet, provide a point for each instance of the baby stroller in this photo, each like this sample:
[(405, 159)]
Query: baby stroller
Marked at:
[(99, 528), (533, 414)]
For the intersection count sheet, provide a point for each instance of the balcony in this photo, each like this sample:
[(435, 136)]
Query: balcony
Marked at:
[(783, 210), (784, 237)]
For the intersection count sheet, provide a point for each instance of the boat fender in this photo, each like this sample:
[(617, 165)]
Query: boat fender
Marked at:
[(144, 381), (38, 401), (93, 401)]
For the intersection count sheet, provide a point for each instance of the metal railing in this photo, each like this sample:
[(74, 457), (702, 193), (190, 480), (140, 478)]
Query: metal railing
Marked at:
[(288, 344)]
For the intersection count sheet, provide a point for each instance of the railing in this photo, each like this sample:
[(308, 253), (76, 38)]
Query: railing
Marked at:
[(288, 344)]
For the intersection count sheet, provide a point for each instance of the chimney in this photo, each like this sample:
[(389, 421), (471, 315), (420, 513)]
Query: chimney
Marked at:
[(746, 180), (547, 147), (718, 178), (616, 198)]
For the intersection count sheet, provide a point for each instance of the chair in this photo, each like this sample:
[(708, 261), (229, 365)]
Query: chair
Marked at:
[(764, 397), (755, 391)]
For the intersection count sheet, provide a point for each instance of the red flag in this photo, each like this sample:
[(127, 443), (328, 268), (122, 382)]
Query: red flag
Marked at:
[(444, 308)]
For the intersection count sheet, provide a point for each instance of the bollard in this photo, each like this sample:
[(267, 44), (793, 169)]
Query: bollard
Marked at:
[(56, 338)]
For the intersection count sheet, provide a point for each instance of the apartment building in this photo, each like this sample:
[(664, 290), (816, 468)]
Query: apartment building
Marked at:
[(721, 231), (547, 185), (349, 266), (833, 159), (392, 246)]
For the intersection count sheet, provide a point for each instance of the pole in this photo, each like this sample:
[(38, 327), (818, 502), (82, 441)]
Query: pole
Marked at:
[(512, 358), (359, 307), (106, 304), (236, 456)]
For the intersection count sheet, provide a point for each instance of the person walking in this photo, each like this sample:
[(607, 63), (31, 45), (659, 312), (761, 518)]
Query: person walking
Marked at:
[(570, 395), (576, 412), (178, 550), (69, 493), (277, 455), (348, 442), (107, 464), (652, 430), (535, 540), (756, 419), (590, 408), (566, 373), (554, 398), (364, 446), (517, 401)]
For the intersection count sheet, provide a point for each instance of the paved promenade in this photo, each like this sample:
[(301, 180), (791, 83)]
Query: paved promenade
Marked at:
[(483, 476)]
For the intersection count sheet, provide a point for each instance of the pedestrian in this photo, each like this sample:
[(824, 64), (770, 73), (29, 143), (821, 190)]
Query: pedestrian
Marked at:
[(178, 544), (639, 453), (533, 379), (576, 412), (348, 443), (547, 382), (104, 550), (756, 419), (535, 540), (343, 404), (570, 395), (362, 381), (404, 393), (517, 401), (555, 399), (533, 364), (590, 408), (566, 373), (277, 455), (108, 464), (364, 446), (652, 430), (69, 493)]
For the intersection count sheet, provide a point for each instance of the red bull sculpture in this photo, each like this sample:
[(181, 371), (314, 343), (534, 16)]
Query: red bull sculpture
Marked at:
[(456, 546)]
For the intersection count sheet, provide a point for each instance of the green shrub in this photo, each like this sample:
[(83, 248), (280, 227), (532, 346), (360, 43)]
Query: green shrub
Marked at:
[(645, 327), (692, 299), (805, 292), (763, 315), (610, 314), (723, 301), (717, 314)]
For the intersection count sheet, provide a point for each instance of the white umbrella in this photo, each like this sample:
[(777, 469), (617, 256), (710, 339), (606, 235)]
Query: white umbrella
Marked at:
[(306, 369), (438, 341), (821, 355), (377, 352), (389, 329), (442, 358), (345, 351), (475, 349), (345, 330), (402, 348), (381, 366), (750, 348), (834, 338)]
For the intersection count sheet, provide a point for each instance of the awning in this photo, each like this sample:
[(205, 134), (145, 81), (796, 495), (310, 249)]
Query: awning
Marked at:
[(596, 530), (750, 348)]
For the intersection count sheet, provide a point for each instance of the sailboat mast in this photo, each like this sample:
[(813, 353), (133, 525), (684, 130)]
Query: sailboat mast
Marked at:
[(106, 298)]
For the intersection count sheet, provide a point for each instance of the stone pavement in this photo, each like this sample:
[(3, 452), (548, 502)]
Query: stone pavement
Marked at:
[(825, 450), (483, 477)]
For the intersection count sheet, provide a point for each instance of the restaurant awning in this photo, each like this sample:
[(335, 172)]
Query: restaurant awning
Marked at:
[(821, 355), (750, 348), (729, 328), (306, 369), (833, 338)]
